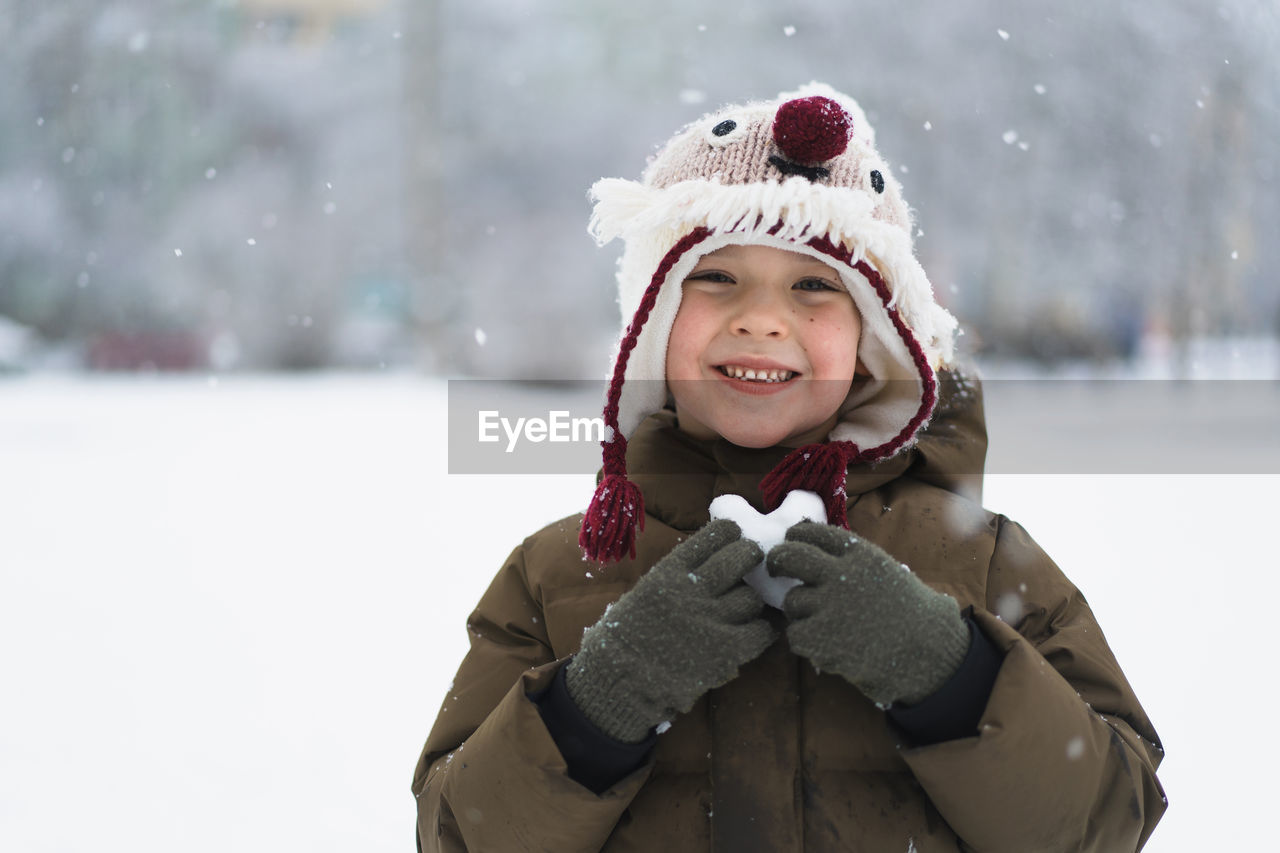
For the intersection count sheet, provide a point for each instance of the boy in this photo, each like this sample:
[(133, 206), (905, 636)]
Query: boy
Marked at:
[(933, 683)]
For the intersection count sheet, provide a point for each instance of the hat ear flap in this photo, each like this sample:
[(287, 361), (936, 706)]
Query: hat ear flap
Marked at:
[(617, 508)]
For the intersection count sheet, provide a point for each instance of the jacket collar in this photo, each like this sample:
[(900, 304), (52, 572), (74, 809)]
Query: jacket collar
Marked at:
[(680, 475)]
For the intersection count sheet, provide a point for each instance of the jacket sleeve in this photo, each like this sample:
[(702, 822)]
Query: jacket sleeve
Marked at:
[(1065, 758), (595, 759), (490, 776)]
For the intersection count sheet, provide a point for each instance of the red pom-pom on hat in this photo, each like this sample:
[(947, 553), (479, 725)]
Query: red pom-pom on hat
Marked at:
[(812, 130)]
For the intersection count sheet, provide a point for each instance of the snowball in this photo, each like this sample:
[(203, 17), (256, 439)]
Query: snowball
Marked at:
[(767, 531)]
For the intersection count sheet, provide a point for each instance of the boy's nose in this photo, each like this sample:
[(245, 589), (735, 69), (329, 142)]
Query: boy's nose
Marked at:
[(760, 316)]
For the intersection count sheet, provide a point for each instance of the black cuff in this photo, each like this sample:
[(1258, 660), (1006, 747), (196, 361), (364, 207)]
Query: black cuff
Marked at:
[(595, 760), (954, 709)]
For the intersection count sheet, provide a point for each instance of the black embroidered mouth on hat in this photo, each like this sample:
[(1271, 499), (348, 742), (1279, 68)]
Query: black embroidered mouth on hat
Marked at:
[(786, 167)]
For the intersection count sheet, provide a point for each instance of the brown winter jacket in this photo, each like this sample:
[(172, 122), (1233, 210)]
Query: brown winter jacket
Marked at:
[(784, 758)]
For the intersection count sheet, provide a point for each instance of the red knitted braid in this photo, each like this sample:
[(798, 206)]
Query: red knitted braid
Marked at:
[(609, 525), (927, 376)]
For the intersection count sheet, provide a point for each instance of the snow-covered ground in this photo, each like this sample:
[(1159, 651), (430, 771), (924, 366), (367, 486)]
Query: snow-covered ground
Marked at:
[(229, 610)]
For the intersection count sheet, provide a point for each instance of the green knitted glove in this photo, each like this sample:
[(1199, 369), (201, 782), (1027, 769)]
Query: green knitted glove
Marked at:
[(865, 616), (682, 630)]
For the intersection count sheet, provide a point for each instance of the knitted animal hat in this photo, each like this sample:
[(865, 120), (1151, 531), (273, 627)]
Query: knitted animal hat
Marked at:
[(799, 173)]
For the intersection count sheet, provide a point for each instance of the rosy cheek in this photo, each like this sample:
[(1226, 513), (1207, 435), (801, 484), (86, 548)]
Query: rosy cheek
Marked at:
[(833, 349), (682, 347)]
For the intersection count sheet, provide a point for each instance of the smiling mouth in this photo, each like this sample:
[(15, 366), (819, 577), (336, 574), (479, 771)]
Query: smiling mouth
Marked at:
[(760, 375)]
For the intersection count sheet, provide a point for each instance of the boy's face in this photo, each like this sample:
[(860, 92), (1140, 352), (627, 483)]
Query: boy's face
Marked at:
[(777, 312)]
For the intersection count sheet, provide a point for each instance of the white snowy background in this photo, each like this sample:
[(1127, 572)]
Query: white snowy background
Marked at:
[(231, 602), (229, 609)]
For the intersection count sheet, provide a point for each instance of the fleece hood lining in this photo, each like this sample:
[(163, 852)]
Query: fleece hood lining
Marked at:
[(876, 409)]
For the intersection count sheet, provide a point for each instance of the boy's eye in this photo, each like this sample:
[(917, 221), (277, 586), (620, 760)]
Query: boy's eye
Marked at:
[(814, 284), (711, 275)]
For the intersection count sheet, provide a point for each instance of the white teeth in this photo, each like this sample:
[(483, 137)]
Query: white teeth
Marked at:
[(753, 375)]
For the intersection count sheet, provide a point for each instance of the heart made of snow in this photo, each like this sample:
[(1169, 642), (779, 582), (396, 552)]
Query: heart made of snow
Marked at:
[(767, 530)]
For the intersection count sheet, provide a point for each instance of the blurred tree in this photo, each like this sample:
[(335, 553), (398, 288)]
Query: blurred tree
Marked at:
[(298, 189), (193, 170)]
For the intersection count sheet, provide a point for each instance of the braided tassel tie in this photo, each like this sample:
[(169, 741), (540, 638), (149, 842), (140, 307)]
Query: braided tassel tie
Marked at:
[(617, 508), (609, 528), (820, 468)]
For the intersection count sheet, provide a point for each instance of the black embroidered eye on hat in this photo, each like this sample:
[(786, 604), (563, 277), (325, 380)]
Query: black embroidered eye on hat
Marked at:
[(800, 173)]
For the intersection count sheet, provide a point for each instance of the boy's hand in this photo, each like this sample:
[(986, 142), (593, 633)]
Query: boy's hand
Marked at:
[(865, 616), (683, 629)]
